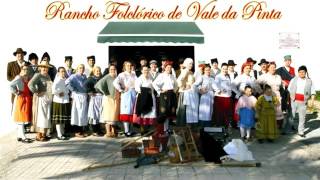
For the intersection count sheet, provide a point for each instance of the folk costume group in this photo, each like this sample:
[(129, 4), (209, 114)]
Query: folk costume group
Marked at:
[(152, 97)]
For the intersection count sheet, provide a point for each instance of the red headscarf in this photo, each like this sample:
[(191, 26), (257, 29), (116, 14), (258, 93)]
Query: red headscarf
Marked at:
[(167, 62)]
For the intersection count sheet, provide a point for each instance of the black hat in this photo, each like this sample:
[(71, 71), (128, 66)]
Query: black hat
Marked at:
[(304, 68), (224, 64), (67, 58), (249, 59), (19, 51), (91, 57), (263, 61), (32, 56), (45, 55), (231, 63), (214, 60)]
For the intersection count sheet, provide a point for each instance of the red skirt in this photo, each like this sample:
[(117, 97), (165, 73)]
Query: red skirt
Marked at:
[(126, 118), (222, 111)]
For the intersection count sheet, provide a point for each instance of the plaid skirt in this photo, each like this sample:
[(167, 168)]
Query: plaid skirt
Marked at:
[(61, 112)]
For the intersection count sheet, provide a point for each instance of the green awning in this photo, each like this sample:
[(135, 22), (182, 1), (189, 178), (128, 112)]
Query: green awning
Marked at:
[(176, 32)]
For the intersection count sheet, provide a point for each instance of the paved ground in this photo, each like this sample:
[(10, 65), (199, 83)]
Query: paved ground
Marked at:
[(290, 157)]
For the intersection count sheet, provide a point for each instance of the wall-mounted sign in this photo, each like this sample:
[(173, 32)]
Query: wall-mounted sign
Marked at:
[(289, 40)]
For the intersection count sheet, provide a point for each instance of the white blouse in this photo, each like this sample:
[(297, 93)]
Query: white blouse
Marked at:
[(274, 81), (143, 82), (244, 80), (206, 82), (165, 82), (59, 86), (223, 83), (124, 80)]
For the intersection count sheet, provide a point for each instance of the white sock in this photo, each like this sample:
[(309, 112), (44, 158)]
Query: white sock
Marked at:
[(126, 127), (248, 132), (58, 128), (242, 132), (166, 125), (21, 131), (62, 128)]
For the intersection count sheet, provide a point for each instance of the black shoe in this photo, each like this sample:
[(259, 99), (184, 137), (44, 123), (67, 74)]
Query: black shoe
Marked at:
[(62, 138), (270, 140), (293, 128), (19, 139), (302, 135), (26, 140)]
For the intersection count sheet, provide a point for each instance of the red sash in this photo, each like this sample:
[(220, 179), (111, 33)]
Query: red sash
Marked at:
[(299, 97)]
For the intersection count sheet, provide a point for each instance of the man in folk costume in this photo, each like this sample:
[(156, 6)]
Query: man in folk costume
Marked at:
[(14, 67), (264, 67), (166, 85), (33, 60), (182, 84), (178, 71), (301, 88), (61, 107), (214, 67), (233, 74), (79, 109), (286, 73), (95, 101), (52, 69), (41, 87), (143, 62), (222, 112), (110, 101), (125, 83), (153, 69), (68, 66), (253, 72), (91, 61), (22, 108)]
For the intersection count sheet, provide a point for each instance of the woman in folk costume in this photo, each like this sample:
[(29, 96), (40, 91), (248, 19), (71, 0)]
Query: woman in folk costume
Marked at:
[(245, 109), (41, 86), (206, 86), (79, 109), (95, 100), (266, 104), (191, 101), (146, 100), (22, 105), (110, 101), (222, 112), (182, 83), (124, 83), (166, 85), (301, 88), (273, 80), (61, 107)]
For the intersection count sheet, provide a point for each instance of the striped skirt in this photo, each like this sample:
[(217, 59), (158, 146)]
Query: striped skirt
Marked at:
[(61, 112)]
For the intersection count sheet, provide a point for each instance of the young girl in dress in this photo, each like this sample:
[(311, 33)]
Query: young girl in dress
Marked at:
[(245, 109)]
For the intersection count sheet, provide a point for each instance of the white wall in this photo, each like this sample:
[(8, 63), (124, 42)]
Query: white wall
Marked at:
[(23, 25)]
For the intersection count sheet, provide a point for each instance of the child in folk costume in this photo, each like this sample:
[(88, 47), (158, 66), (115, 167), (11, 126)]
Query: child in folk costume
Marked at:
[(166, 85), (266, 112), (245, 109), (146, 100), (191, 101), (95, 100), (41, 86), (79, 110), (110, 101), (301, 88), (61, 107), (207, 86), (124, 83), (182, 83), (22, 106)]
